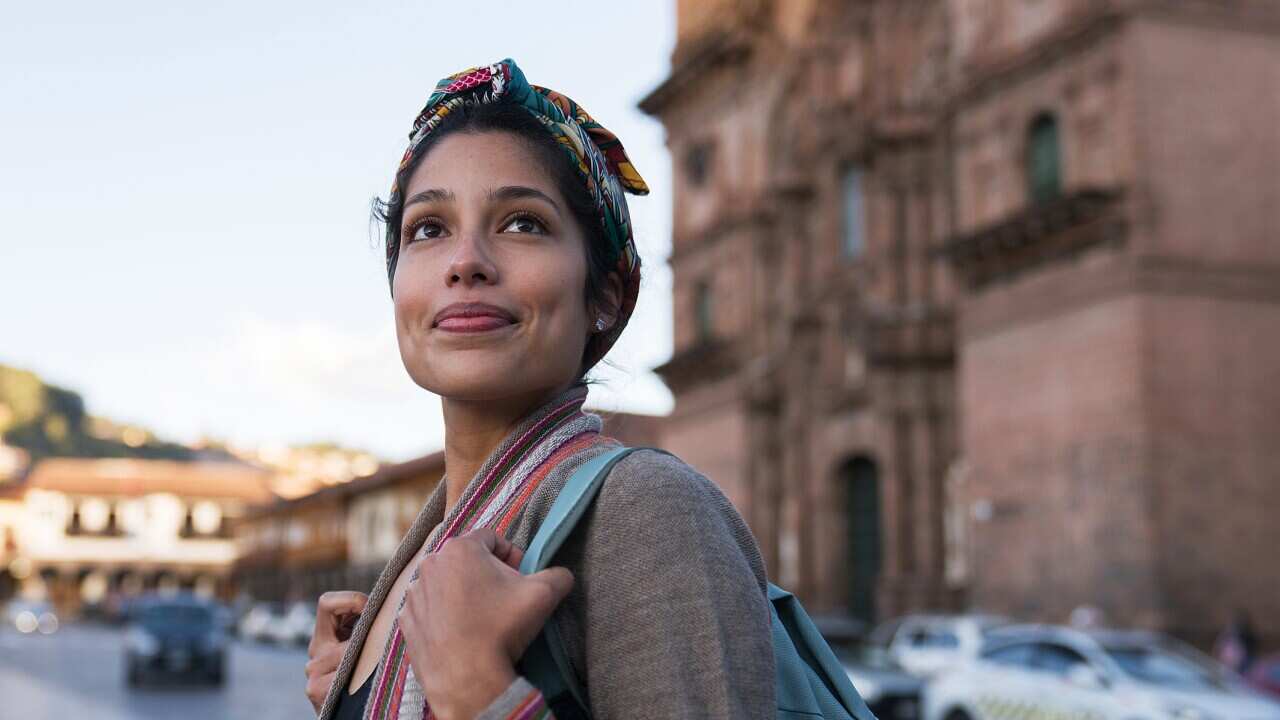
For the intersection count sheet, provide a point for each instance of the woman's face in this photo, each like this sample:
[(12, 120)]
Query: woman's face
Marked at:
[(489, 285)]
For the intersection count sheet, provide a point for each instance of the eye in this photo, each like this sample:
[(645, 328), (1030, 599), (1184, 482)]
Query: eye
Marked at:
[(525, 223), (425, 229)]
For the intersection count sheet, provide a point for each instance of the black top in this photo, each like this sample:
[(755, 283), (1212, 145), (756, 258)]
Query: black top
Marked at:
[(351, 705)]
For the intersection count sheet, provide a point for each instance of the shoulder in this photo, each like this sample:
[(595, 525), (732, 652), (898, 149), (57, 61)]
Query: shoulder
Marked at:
[(649, 478), (656, 504), (654, 487)]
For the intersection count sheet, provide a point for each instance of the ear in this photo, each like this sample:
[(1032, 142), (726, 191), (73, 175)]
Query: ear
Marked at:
[(607, 309)]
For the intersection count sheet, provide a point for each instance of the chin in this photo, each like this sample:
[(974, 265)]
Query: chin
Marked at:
[(479, 379)]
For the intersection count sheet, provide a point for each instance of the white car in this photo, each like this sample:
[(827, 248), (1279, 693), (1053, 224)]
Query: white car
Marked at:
[(927, 644), (294, 626), (257, 623), (1053, 672)]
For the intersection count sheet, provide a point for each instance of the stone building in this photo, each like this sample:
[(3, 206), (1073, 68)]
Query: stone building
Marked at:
[(336, 538), (976, 300), (87, 532)]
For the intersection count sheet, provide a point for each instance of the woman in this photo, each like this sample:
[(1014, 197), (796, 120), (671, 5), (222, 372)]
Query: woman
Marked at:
[(513, 270)]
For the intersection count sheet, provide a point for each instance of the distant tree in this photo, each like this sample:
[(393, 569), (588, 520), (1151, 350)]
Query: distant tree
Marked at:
[(50, 421)]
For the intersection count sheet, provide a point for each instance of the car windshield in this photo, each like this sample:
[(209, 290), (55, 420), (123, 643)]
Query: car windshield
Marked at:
[(174, 617), (866, 655), (992, 626), (883, 634), (1166, 666)]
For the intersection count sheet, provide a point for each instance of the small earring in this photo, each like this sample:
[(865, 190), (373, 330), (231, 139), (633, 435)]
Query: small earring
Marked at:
[(600, 326)]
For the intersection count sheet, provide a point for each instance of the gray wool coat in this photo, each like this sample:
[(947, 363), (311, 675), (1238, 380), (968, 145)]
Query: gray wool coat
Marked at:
[(669, 615)]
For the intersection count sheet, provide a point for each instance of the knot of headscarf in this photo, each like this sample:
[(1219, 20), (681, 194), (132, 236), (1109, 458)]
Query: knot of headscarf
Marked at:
[(595, 152)]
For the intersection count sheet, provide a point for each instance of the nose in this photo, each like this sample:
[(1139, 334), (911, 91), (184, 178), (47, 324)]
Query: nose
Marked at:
[(471, 264)]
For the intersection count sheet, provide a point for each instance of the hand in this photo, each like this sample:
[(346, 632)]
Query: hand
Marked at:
[(474, 613), (336, 616)]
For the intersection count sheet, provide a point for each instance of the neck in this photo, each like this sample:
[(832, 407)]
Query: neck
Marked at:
[(472, 429)]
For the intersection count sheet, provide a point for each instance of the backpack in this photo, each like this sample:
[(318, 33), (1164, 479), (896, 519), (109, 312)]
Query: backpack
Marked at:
[(810, 682)]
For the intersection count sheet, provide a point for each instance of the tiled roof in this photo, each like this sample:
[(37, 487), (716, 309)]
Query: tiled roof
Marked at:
[(120, 476), (386, 475)]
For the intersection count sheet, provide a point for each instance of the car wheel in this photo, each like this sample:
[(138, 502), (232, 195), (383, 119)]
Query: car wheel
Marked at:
[(958, 715)]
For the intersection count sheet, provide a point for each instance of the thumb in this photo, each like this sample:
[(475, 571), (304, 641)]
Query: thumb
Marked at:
[(558, 580), (332, 607)]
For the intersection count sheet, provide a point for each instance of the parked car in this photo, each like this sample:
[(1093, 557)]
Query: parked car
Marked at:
[(927, 644), (257, 623), (174, 637), (889, 691), (31, 616), (1264, 675), (294, 626), (1052, 672)]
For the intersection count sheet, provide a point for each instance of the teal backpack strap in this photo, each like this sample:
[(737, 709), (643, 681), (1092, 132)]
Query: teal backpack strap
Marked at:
[(545, 663), (810, 681)]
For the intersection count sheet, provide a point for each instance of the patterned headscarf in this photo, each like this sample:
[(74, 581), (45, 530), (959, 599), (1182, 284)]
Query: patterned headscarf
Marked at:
[(596, 152)]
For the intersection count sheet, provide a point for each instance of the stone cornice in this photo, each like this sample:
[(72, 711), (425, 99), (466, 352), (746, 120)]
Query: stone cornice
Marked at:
[(979, 79), (726, 47), (1037, 234), (706, 360)]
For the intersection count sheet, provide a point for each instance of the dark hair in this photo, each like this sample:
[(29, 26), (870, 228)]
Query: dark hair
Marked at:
[(515, 120)]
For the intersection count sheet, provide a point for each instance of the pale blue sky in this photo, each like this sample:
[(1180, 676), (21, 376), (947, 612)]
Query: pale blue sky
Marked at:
[(184, 200)]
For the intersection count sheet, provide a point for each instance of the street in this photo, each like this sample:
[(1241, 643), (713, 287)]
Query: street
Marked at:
[(78, 673)]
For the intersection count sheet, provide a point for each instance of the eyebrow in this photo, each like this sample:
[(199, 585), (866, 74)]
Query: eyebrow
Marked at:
[(432, 195), (506, 192), (521, 192)]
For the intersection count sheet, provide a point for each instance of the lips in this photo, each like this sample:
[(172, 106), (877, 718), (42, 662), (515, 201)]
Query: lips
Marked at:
[(472, 317)]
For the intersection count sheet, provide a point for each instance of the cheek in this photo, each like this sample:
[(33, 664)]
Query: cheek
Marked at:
[(410, 300), (562, 297), (410, 285)]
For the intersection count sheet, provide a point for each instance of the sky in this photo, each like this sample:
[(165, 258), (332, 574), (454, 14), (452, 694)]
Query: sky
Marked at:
[(185, 188)]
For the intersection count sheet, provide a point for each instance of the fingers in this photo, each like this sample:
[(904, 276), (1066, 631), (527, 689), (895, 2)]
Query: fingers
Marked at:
[(326, 660), (498, 546), (486, 537), (553, 584), (332, 614), (512, 557), (318, 688), (321, 671), (339, 602)]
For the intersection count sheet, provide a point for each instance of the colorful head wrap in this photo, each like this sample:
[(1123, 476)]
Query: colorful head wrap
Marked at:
[(596, 152)]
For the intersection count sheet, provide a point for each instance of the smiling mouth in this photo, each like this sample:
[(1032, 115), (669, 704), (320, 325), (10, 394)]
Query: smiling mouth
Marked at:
[(473, 323)]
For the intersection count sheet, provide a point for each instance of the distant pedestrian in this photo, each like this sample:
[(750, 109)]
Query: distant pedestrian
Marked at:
[(1086, 617), (1237, 646)]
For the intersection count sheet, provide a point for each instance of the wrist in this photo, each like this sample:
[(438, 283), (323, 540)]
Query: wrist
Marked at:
[(471, 689)]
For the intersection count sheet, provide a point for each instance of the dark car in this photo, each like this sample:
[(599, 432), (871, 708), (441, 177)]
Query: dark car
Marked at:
[(175, 638), (889, 691)]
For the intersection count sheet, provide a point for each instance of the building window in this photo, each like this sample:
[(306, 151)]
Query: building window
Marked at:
[(864, 536), (1044, 160), (702, 309), (852, 212), (697, 163)]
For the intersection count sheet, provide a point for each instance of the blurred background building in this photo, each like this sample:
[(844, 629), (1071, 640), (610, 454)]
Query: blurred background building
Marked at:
[(977, 302), (336, 538), (87, 533)]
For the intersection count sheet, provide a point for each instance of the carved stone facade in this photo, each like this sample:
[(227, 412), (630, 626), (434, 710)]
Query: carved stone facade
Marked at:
[(976, 300)]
